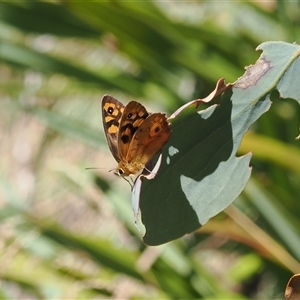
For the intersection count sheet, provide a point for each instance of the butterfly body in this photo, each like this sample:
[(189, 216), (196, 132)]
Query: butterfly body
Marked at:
[(133, 135)]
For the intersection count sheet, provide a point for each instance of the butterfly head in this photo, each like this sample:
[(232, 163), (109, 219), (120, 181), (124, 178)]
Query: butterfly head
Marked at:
[(125, 169), (119, 172)]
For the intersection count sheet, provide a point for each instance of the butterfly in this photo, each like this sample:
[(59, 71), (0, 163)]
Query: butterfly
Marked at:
[(133, 135)]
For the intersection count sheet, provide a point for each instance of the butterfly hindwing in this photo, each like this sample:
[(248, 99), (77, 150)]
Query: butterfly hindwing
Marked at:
[(149, 138)]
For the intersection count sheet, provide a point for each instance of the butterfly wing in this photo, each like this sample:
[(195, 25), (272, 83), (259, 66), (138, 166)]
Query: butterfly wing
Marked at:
[(134, 115), (112, 111), (149, 138)]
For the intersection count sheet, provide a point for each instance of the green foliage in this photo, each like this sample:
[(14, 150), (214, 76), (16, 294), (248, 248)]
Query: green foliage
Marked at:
[(69, 233), (201, 176)]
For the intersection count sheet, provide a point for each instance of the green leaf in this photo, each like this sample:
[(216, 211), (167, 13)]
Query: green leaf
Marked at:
[(66, 126), (45, 17), (276, 214), (26, 57), (200, 174), (159, 52), (272, 150)]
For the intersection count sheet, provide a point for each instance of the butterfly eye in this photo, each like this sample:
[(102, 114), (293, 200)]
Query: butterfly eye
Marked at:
[(119, 172), (129, 115)]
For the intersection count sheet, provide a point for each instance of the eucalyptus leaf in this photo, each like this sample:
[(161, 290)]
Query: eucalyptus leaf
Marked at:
[(200, 174)]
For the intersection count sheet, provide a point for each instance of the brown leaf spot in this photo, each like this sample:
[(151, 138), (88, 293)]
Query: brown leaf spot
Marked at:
[(253, 74)]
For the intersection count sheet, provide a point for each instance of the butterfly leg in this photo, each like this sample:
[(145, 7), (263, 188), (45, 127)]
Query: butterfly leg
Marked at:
[(130, 183)]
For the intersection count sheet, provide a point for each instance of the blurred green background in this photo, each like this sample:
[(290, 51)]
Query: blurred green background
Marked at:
[(67, 232)]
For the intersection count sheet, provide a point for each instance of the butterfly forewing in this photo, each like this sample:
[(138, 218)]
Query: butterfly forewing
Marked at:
[(112, 111)]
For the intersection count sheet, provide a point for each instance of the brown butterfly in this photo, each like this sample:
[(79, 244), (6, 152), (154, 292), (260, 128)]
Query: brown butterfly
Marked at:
[(133, 135)]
